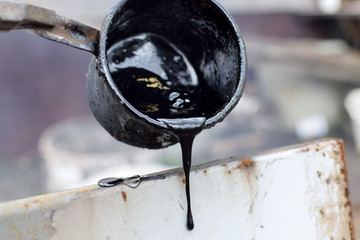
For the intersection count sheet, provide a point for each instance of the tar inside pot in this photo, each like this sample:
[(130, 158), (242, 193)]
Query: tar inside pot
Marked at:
[(158, 80)]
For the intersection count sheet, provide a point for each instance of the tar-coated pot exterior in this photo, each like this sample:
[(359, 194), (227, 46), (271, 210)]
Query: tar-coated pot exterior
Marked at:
[(117, 118), (203, 31)]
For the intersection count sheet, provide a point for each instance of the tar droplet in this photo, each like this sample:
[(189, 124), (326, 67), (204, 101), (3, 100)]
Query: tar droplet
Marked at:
[(186, 130)]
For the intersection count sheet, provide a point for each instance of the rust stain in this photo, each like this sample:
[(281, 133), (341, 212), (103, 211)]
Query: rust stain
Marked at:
[(26, 206), (35, 201), (224, 165), (246, 162), (340, 143), (338, 179), (344, 172), (326, 139), (328, 180), (347, 193), (304, 149), (123, 194), (339, 150), (229, 172), (205, 171), (183, 181), (315, 147), (181, 175)]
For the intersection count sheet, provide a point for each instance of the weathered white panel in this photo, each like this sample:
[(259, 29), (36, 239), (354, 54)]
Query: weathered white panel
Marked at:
[(294, 193)]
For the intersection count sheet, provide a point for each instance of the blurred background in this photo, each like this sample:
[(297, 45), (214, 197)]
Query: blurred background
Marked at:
[(303, 80)]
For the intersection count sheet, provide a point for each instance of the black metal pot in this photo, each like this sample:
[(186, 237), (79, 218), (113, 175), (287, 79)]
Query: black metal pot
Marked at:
[(203, 31)]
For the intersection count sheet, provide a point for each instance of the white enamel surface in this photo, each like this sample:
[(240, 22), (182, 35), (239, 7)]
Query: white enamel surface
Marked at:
[(294, 193)]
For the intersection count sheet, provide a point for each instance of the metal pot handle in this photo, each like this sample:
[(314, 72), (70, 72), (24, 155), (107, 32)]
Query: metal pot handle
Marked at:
[(48, 24)]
